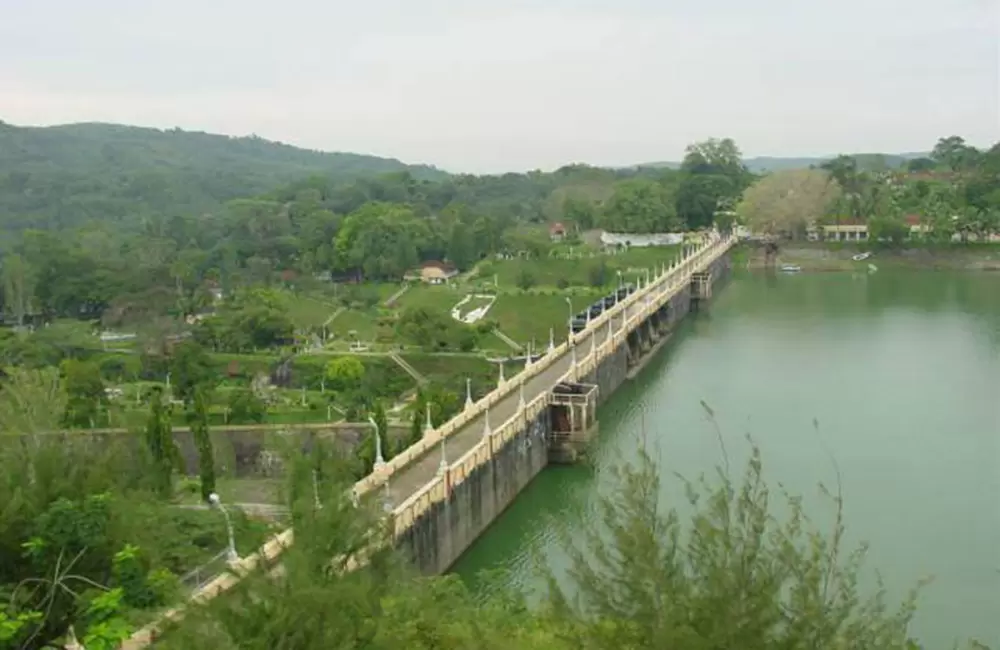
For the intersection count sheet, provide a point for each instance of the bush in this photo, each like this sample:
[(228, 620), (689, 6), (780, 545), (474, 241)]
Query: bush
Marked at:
[(245, 407)]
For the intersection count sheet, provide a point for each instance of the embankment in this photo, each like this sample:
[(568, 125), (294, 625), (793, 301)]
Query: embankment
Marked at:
[(815, 257)]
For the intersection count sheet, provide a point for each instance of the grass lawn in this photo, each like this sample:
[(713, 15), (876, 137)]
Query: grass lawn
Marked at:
[(307, 310), (332, 292), (234, 490), (452, 371), (364, 323), (549, 271), (493, 344), (438, 298), (527, 315)]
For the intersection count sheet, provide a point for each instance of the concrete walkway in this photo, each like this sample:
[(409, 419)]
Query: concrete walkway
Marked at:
[(390, 301), (509, 341)]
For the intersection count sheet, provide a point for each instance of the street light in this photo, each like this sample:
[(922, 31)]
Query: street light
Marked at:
[(379, 460), (231, 554)]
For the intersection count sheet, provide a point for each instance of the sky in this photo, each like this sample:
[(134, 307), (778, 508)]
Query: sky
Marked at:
[(511, 85)]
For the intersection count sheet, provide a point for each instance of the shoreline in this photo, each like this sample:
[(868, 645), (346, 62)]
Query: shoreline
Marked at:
[(821, 259)]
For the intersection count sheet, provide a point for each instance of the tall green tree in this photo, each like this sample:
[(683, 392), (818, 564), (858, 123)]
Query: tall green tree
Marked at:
[(389, 448), (190, 369), (18, 289), (418, 419), (160, 443), (84, 393), (712, 179), (198, 418)]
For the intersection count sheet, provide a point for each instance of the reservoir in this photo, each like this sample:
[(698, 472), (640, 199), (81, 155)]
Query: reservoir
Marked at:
[(901, 371)]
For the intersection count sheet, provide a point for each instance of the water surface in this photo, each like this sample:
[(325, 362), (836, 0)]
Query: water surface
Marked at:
[(902, 372)]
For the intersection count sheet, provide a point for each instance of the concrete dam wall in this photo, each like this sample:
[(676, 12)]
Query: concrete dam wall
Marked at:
[(443, 532), (466, 505)]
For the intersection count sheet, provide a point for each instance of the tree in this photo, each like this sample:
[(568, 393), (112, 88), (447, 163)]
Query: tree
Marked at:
[(382, 422), (713, 176), (785, 202), (245, 407), (525, 279), (344, 373), (644, 579), (700, 196), (597, 274), (714, 157), (160, 443), (31, 400), (190, 368), (198, 417), (639, 206), (461, 246), (417, 420), (580, 212), (954, 153), (889, 229), (18, 291), (84, 393), (920, 165)]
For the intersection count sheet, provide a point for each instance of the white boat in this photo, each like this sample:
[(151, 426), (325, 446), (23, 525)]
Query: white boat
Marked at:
[(861, 257), (790, 268)]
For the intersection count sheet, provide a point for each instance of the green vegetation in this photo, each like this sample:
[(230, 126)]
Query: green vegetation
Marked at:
[(62, 176), (236, 274), (91, 535), (731, 574), (953, 195)]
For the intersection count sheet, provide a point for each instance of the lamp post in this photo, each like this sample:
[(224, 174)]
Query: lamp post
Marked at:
[(379, 459), (231, 554), (572, 315), (468, 392)]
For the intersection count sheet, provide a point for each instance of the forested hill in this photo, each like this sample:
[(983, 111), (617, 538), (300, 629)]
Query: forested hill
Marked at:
[(61, 176)]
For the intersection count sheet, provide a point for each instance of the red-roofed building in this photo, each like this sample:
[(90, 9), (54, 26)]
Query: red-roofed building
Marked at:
[(557, 231), (917, 227)]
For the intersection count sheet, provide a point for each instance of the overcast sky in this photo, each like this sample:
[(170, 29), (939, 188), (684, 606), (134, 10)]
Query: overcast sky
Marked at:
[(511, 84)]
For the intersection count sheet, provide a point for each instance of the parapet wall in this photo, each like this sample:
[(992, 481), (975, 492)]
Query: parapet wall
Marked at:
[(610, 373), (439, 536)]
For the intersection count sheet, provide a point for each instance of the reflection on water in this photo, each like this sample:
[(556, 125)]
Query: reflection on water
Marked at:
[(901, 369)]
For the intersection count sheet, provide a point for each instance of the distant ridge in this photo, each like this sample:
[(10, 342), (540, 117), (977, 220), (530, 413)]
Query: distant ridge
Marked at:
[(58, 175)]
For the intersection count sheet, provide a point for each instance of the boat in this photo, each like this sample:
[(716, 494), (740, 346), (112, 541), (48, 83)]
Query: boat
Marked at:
[(790, 268), (861, 257)]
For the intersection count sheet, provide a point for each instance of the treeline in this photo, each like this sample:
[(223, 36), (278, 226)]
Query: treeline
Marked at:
[(373, 228), (954, 194)]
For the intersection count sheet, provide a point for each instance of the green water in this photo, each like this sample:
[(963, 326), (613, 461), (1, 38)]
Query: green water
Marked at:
[(902, 371)]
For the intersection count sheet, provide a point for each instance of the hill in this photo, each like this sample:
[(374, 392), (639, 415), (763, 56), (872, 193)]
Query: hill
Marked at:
[(761, 164), (60, 176)]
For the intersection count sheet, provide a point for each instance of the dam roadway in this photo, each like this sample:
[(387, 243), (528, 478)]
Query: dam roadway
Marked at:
[(448, 487), (422, 471)]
